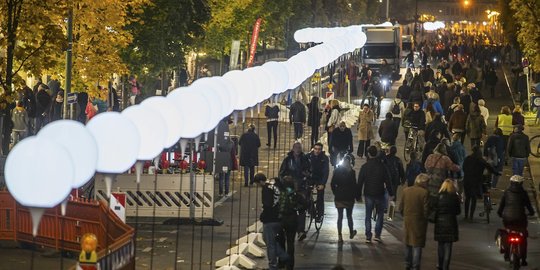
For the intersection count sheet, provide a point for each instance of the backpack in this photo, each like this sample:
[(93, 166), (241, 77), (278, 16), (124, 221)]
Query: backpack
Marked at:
[(287, 202), (396, 109)]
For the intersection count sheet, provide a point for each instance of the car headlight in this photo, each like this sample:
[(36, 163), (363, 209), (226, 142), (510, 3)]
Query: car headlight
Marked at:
[(384, 82)]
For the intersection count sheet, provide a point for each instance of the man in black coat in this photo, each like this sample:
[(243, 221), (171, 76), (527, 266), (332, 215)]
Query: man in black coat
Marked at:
[(373, 181), (249, 153), (319, 174), (518, 149), (314, 119), (387, 130), (297, 116), (43, 104), (512, 210)]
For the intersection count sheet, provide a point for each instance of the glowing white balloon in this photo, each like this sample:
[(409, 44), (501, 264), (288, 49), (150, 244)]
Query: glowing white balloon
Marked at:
[(244, 86), (191, 104), (50, 178), (79, 143), (118, 142), (172, 116), (279, 72), (214, 103), (152, 130), (217, 87)]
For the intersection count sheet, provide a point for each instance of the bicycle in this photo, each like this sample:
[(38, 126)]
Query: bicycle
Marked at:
[(535, 145), (411, 144), (488, 205), (312, 214)]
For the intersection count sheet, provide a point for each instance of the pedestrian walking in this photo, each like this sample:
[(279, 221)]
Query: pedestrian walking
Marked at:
[(504, 122), (272, 227), (271, 113), (297, 117), (373, 181), (415, 210), (314, 118), (518, 149), (473, 179), (365, 130), (494, 149), (290, 204), (224, 164), (249, 153), (395, 169), (398, 110), (387, 130), (458, 122), (484, 111), (476, 126), (491, 80), (446, 230), (437, 166), (332, 121), (517, 116), (437, 125), (344, 189), (413, 169)]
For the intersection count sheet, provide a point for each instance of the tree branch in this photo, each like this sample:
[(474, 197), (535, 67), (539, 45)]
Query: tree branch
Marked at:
[(28, 56)]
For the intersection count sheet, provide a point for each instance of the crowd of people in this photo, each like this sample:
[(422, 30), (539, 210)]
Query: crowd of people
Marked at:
[(445, 106)]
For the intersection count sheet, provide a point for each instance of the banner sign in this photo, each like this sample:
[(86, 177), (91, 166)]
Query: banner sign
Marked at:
[(254, 38)]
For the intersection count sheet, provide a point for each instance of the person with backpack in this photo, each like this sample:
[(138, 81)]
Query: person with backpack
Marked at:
[(387, 130), (398, 110), (395, 168), (297, 116), (290, 204), (270, 217)]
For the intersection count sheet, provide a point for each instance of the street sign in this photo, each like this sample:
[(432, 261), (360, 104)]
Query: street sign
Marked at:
[(72, 98), (329, 95), (118, 205)]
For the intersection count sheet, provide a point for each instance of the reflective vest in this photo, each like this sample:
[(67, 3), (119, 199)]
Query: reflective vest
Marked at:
[(504, 122)]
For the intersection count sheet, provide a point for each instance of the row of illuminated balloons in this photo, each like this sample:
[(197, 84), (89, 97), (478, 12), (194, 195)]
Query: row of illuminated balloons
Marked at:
[(432, 26), (41, 170)]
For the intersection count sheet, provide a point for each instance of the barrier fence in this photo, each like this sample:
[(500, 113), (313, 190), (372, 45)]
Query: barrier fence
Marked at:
[(115, 238)]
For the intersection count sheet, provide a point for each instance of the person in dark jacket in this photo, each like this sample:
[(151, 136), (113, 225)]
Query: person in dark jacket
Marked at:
[(314, 118), (272, 119), (344, 189), (289, 214), (518, 149), (272, 229), (28, 102), (473, 178), (82, 102), (432, 142), (297, 117), (494, 148), (43, 103), (342, 141), (320, 163), (446, 232), (57, 106), (439, 125), (395, 169), (296, 165), (512, 210), (466, 100), (491, 80), (249, 153), (517, 116), (404, 91), (373, 181), (417, 117), (414, 168), (387, 130)]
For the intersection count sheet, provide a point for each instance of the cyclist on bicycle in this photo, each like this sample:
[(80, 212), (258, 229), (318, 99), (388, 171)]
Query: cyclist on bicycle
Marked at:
[(296, 165), (341, 142), (319, 174), (512, 210), (417, 119)]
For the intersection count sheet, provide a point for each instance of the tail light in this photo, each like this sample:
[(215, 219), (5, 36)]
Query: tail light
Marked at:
[(514, 239)]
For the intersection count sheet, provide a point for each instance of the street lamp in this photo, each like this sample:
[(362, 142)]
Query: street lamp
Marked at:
[(466, 3)]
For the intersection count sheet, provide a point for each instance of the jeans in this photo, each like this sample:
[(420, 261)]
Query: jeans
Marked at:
[(301, 220), (224, 180), (298, 130), (517, 166), (340, 219), (287, 242), (377, 203), (470, 206), (413, 256), (362, 147), (445, 253), (249, 174), (272, 128), (274, 250)]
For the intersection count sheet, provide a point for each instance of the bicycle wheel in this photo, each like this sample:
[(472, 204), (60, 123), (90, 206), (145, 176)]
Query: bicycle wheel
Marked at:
[(310, 217), (407, 149), (535, 145), (319, 222), (516, 261), (487, 207)]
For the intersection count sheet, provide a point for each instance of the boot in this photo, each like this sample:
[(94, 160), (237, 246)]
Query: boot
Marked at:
[(340, 238), (353, 233)]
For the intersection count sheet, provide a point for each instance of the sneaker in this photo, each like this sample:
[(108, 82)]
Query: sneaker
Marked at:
[(302, 236), (353, 233), (388, 219), (377, 239), (368, 241)]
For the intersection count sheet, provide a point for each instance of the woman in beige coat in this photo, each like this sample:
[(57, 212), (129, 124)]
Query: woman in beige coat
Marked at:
[(365, 130), (415, 210)]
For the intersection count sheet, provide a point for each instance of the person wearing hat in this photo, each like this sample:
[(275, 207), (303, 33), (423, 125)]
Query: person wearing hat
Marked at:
[(512, 211), (518, 149)]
